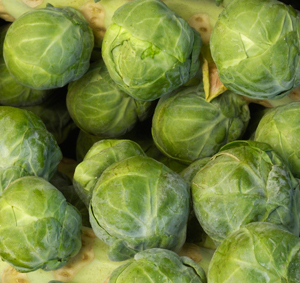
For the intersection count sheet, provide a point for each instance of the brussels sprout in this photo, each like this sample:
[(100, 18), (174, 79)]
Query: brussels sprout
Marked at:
[(259, 252), (159, 265), (98, 158), (99, 107), (26, 147), (245, 182), (279, 127), (139, 203), (255, 45), (49, 47), (149, 50), (38, 228), (186, 127)]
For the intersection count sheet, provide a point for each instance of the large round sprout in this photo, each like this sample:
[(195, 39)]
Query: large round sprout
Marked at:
[(259, 252), (186, 127), (99, 107), (139, 203), (102, 154), (49, 47), (38, 228), (149, 50), (256, 45), (245, 182), (158, 265), (279, 127), (26, 147)]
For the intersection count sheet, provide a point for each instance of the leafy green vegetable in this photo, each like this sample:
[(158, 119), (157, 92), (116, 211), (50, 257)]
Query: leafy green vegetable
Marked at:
[(259, 252), (44, 234), (26, 147), (147, 62), (186, 127), (99, 107), (255, 45), (245, 182), (118, 218), (47, 48)]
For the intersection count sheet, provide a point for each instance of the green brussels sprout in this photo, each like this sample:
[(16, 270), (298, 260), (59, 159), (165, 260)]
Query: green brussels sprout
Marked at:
[(38, 228), (255, 45), (186, 127), (55, 115), (102, 154), (137, 204), (99, 107), (49, 47), (246, 181), (149, 50), (279, 128), (26, 147), (258, 252), (158, 265)]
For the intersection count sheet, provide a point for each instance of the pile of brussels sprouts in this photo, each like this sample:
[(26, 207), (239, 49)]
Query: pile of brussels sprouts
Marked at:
[(158, 142)]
